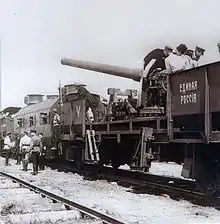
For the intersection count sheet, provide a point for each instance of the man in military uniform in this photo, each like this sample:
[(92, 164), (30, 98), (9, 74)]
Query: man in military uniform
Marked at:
[(195, 55), (181, 49), (25, 143), (42, 155), (8, 147), (17, 149), (56, 128), (177, 61), (159, 55), (36, 150)]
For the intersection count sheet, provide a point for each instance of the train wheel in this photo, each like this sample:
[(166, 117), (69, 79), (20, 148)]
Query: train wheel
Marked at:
[(208, 179)]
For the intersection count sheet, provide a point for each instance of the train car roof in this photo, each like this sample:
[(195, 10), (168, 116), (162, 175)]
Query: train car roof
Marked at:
[(10, 110), (42, 106)]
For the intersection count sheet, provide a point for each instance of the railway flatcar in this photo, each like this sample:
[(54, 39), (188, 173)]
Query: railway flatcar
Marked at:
[(180, 121)]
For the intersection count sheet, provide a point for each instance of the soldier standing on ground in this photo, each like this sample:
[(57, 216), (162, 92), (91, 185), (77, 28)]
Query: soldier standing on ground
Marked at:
[(36, 150), (17, 149), (8, 147), (42, 155), (25, 150)]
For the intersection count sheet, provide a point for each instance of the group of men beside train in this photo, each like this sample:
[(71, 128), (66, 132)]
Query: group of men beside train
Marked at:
[(171, 61), (27, 146), (31, 146)]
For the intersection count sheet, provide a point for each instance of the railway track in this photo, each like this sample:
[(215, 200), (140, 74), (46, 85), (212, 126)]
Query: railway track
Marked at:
[(23, 202), (176, 188)]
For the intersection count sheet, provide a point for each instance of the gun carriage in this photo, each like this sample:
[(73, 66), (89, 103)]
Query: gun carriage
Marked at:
[(175, 117)]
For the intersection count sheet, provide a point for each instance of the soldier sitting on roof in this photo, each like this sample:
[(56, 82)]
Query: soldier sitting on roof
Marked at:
[(195, 56), (177, 61)]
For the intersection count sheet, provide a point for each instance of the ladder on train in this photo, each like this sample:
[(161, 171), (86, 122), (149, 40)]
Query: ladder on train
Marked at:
[(92, 152)]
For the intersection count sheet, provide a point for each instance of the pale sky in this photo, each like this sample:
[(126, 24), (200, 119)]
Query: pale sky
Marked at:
[(35, 35)]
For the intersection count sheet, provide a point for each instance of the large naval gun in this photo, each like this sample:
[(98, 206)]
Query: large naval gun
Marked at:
[(152, 92)]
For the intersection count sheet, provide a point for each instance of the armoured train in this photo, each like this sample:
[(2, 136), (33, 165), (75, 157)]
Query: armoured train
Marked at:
[(172, 117)]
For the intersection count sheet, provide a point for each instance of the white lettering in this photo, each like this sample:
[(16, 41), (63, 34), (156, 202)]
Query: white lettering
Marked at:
[(195, 85), (78, 107), (187, 92), (181, 88), (188, 86), (188, 98), (184, 90)]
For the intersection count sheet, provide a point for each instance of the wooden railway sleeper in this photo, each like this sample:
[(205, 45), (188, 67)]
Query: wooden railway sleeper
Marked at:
[(84, 211)]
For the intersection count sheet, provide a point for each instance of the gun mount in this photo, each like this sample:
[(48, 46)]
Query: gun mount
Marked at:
[(152, 89)]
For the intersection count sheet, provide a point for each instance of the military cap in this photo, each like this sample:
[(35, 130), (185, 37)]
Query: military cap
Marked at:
[(182, 48), (199, 49), (168, 48), (54, 110), (33, 131), (9, 133), (78, 84)]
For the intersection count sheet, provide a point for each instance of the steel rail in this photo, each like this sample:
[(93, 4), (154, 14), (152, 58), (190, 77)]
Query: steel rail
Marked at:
[(85, 211), (177, 189)]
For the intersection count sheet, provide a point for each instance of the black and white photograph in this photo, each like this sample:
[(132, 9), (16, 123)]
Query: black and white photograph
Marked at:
[(109, 111)]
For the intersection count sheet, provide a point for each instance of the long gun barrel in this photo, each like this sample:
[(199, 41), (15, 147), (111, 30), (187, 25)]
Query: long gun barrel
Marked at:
[(134, 74)]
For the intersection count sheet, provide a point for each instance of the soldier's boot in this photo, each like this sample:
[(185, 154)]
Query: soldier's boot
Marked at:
[(25, 165), (6, 161), (43, 165), (19, 159), (34, 169), (42, 162)]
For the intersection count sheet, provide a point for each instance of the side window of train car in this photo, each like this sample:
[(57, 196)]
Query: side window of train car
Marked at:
[(43, 118), (31, 121)]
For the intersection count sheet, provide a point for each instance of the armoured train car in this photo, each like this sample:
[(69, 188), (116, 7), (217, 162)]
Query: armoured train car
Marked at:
[(188, 129), (37, 115)]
